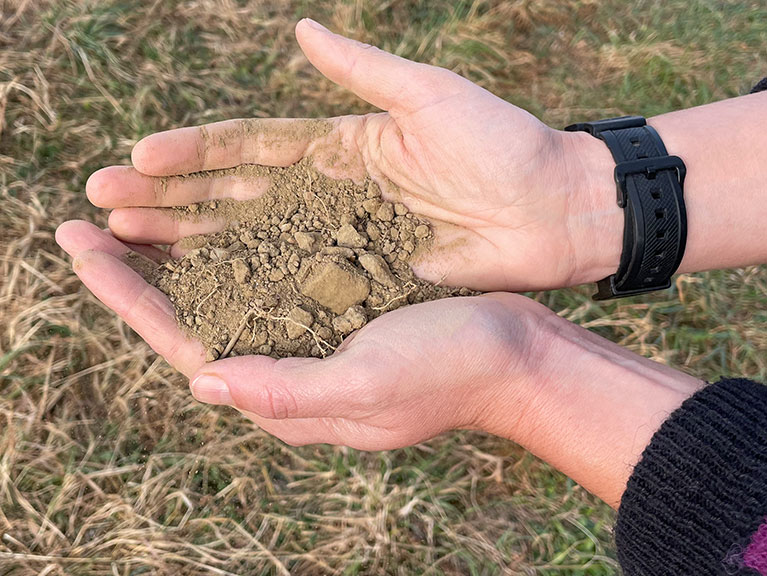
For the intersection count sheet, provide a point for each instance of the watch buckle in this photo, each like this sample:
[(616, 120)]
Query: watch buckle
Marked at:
[(606, 289), (594, 128), (649, 167)]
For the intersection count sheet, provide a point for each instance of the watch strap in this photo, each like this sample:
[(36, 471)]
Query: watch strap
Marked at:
[(649, 186)]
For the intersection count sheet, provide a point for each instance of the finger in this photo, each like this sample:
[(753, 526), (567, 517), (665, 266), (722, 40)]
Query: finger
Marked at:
[(386, 81), (158, 226), (118, 186), (267, 141), (335, 387), (298, 432), (334, 431), (337, 432), (152, 252), (179, 249), (183, 246), (143, 307), (75, 236)]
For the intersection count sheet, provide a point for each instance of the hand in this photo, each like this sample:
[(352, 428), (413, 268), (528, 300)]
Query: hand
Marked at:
[(506, 194), (500, 363), (407, 376), (404, 378)]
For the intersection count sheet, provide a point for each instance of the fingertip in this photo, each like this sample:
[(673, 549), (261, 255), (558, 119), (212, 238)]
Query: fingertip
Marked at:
[(94, 187), (103, 186), (210, 389), (178, 251), (378, 77), (172, 152), (312, 37), (142, 154), (232, 381), (63, 234), (308, 26), (119, 221), (69, 235)]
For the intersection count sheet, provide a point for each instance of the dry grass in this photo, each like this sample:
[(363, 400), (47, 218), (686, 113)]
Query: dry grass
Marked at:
[(107, 466)]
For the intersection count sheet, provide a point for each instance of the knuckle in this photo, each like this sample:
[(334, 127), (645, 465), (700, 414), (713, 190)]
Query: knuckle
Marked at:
[(171, 355), (363, 381), (358, 57), (438, 80), (277, 402)]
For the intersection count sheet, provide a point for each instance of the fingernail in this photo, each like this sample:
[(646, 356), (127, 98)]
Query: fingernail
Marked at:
[(211, 390), (316, 25)]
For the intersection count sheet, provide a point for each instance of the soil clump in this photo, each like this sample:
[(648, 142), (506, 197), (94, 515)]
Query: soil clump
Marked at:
[(298, 269)]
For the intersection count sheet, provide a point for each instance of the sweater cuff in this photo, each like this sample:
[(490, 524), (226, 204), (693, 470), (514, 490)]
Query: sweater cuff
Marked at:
[(696, 502), (761, 87)]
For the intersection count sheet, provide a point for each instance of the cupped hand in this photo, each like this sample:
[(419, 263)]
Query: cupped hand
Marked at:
[(500, 363), (405, 377), (504, 192)]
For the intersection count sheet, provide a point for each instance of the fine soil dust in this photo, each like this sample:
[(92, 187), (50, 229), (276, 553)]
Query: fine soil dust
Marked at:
[(299, 268)]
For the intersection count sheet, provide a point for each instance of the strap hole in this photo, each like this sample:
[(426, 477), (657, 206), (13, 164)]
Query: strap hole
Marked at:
[(660, 254), (660, 234), (641, 155), (655, 270), (660, 214), (635, 142), (655, 193), (648, 280)]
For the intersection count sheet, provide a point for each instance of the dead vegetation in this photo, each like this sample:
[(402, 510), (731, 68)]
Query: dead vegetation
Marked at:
[(107, 465)]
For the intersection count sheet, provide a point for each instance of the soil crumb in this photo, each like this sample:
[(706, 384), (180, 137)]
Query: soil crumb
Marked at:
[(299, 268)]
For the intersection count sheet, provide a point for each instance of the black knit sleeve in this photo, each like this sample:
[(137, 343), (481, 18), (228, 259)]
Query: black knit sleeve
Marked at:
[(761, 87), (696, 504)]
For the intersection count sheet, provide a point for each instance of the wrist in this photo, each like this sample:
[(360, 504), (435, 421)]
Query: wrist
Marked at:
[(586, 405), (595, 221)]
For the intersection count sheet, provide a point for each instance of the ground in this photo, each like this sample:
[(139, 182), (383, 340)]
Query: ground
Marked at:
[(108, 466)]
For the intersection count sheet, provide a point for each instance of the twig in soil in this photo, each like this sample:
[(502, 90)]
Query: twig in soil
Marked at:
[(237, 334), (321, 343), (197, 309)]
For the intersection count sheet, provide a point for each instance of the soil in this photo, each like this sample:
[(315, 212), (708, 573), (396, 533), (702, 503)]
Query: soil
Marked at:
[(299, 268)]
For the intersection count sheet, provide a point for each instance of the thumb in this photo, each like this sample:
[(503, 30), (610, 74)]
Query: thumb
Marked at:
[(382, 79), (335, 387)]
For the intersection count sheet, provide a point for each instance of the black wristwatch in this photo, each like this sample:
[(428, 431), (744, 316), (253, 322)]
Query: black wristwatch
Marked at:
[(650, 191)]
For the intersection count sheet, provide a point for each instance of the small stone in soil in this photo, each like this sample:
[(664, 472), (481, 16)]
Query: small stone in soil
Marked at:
[(348, 236), (335, 287), (353, 319), (385, 212), (241, 271), (378, 269), (421, 231), (309, 241), (298, 321)]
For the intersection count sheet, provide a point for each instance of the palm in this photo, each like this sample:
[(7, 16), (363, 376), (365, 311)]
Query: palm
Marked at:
[(393, 384), (468, 163)]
